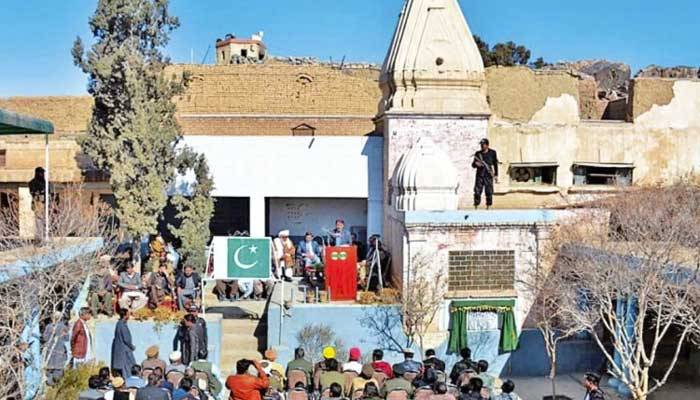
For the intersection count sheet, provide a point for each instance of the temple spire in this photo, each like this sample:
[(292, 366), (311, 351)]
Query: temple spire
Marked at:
[(433, 65)]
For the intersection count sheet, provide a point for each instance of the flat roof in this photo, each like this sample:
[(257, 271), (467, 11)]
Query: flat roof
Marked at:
[(12, 123), (483, 217), (22, 261)]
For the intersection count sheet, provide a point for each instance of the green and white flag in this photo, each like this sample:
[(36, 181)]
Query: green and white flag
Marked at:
[(241, 258)]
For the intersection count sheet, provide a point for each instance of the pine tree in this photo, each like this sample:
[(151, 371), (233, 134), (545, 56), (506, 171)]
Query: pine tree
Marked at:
[(133, 133)]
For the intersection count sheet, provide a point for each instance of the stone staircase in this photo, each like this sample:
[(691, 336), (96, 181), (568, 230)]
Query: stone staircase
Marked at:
[(241, 338), (243, 329)]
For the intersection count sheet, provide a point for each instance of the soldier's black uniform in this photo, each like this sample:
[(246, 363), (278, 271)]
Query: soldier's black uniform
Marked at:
[(484, 180), (595, 394)]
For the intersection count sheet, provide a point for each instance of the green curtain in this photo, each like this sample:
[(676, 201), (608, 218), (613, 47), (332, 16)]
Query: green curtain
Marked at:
[(458, 332), (509, 333), (459, 311)]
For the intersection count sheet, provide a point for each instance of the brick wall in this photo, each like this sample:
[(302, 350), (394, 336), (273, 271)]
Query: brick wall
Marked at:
[(481, 270)]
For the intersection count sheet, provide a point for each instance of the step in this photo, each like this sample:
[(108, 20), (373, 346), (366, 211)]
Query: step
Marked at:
[(240, 341)]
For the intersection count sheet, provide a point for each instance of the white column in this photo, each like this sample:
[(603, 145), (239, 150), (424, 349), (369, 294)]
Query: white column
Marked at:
[(257, 216), (26, 216)]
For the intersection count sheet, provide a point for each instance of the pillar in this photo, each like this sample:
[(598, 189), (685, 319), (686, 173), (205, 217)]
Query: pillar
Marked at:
[(257, 216), (26, 216)]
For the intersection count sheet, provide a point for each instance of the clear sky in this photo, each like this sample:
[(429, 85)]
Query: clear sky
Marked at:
[(37, 34)]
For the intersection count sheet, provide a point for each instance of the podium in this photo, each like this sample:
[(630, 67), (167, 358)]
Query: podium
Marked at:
[(341, 272)]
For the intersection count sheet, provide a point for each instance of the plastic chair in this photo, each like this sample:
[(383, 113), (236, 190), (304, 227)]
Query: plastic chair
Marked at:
[(349, 376), (422, 394), (298, 394), (410, 376), (380, 377), (445, 396), (397, 395), (175, 377), (295, 376)]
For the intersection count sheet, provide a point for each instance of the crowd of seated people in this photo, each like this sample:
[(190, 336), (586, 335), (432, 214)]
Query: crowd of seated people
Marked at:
[(153, 379), (376, 380), (154, 279)]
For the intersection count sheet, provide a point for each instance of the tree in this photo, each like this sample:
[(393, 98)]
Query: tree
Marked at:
[(314, 337), (637, 280), (133, 132), (506, 54), (422, 298), (547, 288), (43, 291), (194, 211), (539, 63)]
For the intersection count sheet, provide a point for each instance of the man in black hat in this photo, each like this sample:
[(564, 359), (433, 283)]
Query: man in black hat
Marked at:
[(591, 381), (486, 164)]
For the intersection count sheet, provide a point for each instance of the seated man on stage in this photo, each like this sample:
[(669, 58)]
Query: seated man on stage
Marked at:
[(187, 287), (309, 250), (130, 284), (160, 284), (283, 253), (339, 236)]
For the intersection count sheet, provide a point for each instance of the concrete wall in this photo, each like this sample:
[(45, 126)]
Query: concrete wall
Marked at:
[(315, 215), (147, 333), (301, 167), (347, 323), (457, 136)]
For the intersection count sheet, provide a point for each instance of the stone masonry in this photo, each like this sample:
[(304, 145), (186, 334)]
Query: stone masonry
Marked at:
[(481, 270)]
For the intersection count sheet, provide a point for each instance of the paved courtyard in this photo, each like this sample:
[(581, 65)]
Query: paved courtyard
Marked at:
[(533, 388)]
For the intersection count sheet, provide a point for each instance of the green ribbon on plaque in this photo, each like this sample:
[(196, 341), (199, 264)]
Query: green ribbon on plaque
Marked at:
[(248, 258)]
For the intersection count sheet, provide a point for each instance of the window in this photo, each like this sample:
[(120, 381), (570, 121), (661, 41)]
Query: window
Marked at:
[(538, 173), (3, 157), (244, 52), (603, 173)]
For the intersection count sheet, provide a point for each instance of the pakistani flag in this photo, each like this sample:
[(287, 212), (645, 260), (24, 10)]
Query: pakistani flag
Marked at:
[(248, 258)]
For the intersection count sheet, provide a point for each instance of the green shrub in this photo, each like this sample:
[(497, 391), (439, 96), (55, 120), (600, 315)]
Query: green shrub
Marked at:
[(74, 381)]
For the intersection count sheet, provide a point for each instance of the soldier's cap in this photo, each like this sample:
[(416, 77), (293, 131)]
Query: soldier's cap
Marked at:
[(592, 377), (484, 141)]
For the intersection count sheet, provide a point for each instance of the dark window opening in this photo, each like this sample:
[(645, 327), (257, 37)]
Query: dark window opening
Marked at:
[(244, 52), (533, 173), (3, 157), (603, 174)]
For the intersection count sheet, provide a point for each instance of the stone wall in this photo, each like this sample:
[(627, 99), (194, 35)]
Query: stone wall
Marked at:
[(647, 92), (481, 270), (69, 114), (277, 89), (518, 93)]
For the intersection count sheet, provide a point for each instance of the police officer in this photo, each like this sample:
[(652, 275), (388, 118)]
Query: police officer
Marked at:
[(486, 164), (591, 381)]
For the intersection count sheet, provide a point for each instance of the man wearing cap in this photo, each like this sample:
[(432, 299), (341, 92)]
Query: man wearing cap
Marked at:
[(271, 356), (486, 163), (591, 381), (353, 364), (409, 364), (152, 361), (325, 364), (175, 363), (283, 252)]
